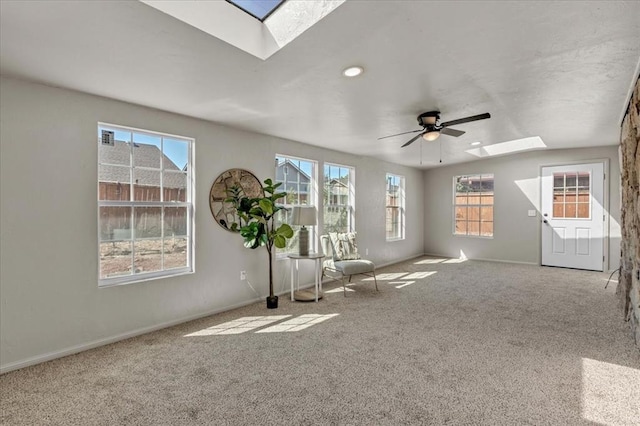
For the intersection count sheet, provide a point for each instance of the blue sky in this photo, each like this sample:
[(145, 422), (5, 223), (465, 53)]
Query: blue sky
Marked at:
[(176, 150), (259, 8)]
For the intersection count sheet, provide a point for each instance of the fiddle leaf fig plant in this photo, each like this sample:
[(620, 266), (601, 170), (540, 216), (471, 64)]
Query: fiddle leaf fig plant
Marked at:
[(257, 223)]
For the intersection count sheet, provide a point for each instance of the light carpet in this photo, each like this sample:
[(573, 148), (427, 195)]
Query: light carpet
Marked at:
[(442, 342)]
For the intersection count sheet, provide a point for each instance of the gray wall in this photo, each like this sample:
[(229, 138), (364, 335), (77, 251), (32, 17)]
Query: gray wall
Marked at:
[(517, 190), (50, 301)]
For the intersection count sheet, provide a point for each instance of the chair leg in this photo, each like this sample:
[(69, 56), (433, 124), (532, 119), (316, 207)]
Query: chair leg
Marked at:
[(344, 287), (375, 280)]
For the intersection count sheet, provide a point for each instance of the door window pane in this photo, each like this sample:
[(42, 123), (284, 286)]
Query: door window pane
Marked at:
[(571, 195)]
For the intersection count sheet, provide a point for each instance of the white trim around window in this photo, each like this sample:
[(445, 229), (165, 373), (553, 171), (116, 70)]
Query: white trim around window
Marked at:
[(338, 195), (395, 207), (145, 205)]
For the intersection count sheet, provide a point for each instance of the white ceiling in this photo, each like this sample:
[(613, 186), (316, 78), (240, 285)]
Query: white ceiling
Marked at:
[(558, 70)]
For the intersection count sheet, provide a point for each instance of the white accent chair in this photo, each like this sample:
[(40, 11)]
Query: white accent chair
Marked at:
[(345, 267)]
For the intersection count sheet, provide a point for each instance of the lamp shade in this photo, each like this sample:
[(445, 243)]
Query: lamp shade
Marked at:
[(304, 215), (431, 135)]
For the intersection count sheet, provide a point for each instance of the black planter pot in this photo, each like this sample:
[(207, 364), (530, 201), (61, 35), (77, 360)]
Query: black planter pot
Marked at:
[(272, 302)]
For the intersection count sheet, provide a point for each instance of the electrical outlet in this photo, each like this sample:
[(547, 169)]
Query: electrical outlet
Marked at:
[(366, 252), (243, 275)]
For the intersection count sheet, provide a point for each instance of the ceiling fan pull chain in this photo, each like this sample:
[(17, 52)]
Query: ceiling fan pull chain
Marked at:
[(440, 150)]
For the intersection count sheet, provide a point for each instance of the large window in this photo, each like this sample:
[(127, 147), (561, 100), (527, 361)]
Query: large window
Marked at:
[(395, 207), (298, 178), (473, 205), (338, 196), (145, 212)]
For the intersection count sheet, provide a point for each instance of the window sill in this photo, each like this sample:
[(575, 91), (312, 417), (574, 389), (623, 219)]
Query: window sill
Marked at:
[(484, 237), (129, 279), (395, 239)]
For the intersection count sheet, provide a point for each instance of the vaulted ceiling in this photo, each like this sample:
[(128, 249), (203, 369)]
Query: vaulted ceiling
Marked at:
[(561, 71)]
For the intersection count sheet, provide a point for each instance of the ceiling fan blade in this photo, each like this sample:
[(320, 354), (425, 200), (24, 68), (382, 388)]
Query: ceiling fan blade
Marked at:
[(398, 134), (466, 120), (411, 140), (451, 132)]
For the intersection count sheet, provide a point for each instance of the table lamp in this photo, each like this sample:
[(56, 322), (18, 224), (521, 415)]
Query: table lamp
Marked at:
[(305, 216)]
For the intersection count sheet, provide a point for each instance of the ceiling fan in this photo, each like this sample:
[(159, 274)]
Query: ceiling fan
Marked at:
[(432, 128)]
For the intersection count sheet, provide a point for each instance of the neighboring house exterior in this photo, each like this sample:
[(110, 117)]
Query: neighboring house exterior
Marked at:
[(337, 208), (295, 182), (338, 193), (153, 174)]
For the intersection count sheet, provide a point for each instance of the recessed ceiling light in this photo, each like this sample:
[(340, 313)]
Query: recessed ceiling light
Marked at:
[(476, 143), (352, 71)]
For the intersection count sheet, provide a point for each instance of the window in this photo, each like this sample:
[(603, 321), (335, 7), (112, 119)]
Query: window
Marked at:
[(395, 207), (571, 195), (145, 211), (338, 195), (298, 178), (473, 205)]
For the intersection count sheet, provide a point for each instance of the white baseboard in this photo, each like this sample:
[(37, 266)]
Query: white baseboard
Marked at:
[(486, 260), (107, 340), (517, 262), (413, 256)]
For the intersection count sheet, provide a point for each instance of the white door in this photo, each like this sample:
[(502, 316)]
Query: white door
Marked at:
[(573, 216)]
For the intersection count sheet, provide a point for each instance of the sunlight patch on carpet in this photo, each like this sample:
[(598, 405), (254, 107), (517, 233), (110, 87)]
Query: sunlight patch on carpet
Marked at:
[(337, 290), (402, 283), (610, 393), (455, 261), (429, 261), (298, 323), (239, 326), (418, 275), (388, 276)]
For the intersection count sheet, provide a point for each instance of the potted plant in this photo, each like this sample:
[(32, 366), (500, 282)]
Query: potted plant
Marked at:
[(257, 217)]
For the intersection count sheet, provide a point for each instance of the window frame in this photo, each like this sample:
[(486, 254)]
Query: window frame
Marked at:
[(400, 235), (350, 206), (312, 201), (162, 204), (474, 205)]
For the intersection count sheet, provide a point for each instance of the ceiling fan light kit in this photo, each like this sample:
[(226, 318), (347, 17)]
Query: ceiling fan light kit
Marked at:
[(431, 136), (432, 128)]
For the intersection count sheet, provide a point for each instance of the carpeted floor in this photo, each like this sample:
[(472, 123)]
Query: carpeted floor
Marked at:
[(442, 342)]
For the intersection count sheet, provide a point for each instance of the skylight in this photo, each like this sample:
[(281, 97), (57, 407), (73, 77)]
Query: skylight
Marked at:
[(231, 22), (259, 9), (509, 147)]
